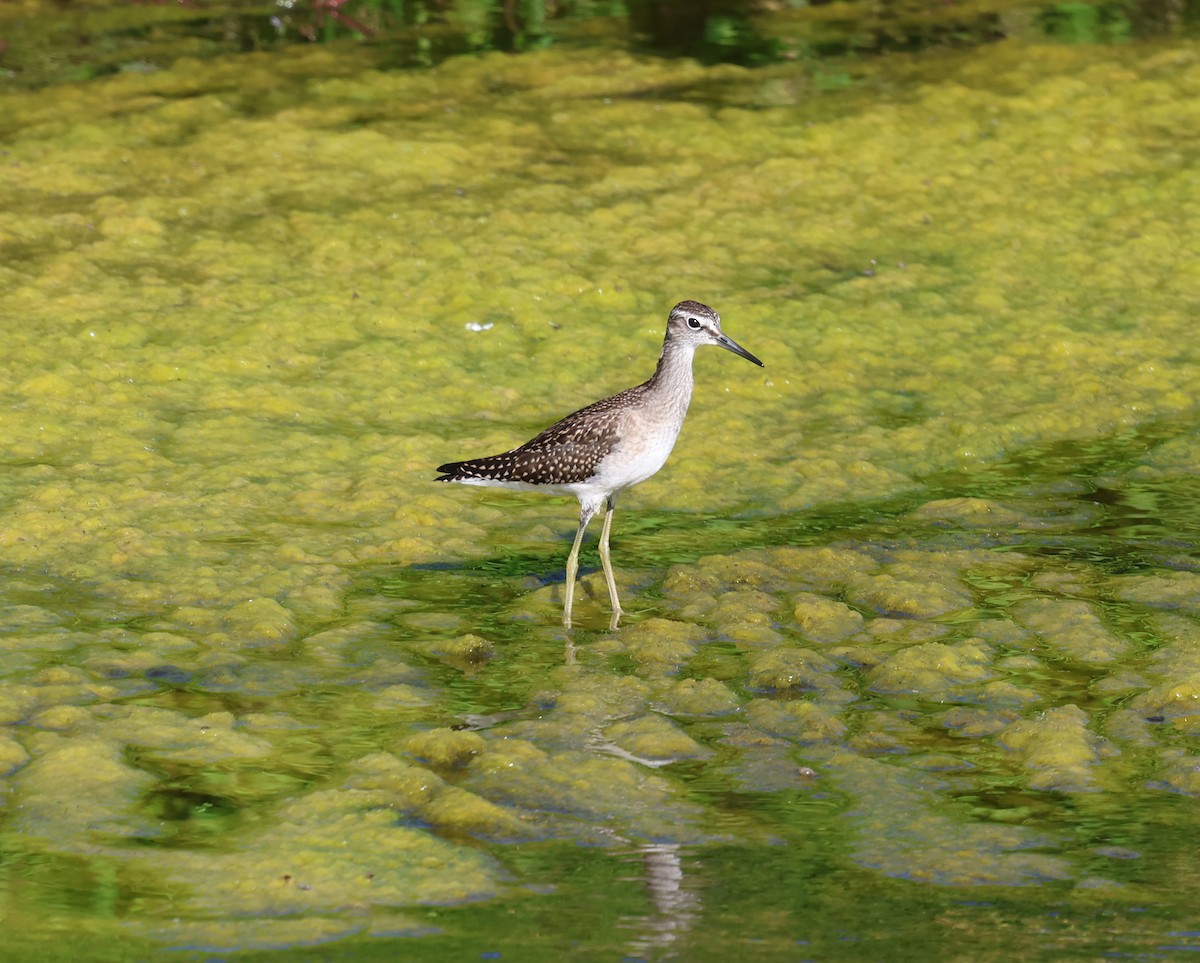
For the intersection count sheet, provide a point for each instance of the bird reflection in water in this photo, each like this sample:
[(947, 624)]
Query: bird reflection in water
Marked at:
[(675, 905)]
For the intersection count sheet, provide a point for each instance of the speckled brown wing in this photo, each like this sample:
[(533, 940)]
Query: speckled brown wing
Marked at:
[(566, 453)]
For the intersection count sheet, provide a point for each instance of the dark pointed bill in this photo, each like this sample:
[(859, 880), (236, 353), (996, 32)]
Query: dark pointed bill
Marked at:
[(729, 344)]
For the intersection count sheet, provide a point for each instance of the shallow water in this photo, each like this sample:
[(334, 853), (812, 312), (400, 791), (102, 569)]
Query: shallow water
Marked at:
[(912, 641)]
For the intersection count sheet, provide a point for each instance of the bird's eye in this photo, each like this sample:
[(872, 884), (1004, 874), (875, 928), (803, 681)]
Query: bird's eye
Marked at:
[(693, 324)]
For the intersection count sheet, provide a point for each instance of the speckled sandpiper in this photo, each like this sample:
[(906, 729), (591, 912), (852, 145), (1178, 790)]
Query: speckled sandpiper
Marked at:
[(599, 451)]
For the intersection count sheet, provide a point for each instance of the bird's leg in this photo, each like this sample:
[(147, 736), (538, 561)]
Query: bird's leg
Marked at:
[(606, 562), (585, 515)]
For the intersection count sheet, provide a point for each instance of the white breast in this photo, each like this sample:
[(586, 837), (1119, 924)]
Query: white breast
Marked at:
[(643, 450)]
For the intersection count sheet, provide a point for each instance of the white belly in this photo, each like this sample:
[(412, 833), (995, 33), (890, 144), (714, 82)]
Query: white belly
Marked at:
[(639, 455)]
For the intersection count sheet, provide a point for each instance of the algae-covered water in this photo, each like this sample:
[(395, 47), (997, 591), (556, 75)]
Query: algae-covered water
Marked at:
[(911, 658)]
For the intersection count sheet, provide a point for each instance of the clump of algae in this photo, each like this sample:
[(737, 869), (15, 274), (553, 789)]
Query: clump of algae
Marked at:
[(259, 300)]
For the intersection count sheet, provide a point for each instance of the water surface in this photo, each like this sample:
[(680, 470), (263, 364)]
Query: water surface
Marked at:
[(913, 645)]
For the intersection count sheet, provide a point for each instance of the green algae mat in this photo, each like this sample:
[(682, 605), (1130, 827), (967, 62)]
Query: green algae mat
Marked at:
[(911, 661)]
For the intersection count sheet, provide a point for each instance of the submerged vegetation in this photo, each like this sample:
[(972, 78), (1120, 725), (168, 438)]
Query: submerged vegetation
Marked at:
[(74, 40), (912, 658)]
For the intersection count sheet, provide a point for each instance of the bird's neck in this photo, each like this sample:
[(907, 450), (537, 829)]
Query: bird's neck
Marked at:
[(672, 380)]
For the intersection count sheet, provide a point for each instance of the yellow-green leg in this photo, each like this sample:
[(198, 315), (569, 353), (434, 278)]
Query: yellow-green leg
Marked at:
[(585, 516), (606, 563)]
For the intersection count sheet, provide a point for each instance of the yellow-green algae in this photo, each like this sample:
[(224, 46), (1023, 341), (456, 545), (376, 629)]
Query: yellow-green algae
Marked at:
[(251, 302)]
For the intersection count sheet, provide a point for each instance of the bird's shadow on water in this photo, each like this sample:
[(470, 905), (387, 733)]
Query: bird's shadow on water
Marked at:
[(486, 593), (1045, 481)]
